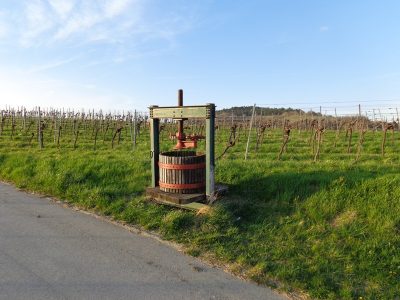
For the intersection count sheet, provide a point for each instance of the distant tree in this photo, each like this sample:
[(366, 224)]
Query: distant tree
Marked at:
[(247, 111)]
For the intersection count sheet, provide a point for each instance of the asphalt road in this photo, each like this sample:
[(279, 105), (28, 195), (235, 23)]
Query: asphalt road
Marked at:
[(48, 251)]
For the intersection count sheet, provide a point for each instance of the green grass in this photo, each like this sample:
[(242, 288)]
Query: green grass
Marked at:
[(330, 229)]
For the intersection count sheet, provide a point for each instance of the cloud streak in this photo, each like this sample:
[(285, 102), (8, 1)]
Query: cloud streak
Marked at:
[(50, 65), (126, 28), (62, 7), (36, 21), (116, 7), (54, 21)]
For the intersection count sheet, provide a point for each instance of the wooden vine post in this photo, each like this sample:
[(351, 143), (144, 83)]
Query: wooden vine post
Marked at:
[(286, 134), (337, 129), (117, 133), (314, 128), (131, 131), (260, 135), (96, 132), (361, 140), (233, 138), (2, 122), (319, 132), (40, 130), (361, 135), (349, 135), (250, 127), (13, 124), (388, 126), (24, 119), (134, 128)]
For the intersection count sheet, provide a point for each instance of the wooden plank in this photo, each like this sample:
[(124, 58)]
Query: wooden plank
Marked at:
[(194, 206), (159, 195), (179, 112)]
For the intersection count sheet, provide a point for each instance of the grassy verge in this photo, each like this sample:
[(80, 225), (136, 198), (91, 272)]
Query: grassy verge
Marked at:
[(330, 229)]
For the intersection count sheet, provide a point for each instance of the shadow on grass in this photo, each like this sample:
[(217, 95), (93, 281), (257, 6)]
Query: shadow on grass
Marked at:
[(274, 196)]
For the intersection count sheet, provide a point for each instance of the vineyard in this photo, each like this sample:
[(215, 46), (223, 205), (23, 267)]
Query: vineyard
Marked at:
[(313, 207), (98, 130)]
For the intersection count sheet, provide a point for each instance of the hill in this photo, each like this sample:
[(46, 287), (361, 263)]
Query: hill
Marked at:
[(247, 110)]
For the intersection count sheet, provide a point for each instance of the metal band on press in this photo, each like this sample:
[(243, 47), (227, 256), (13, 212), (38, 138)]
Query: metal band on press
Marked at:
[(181, 167), (181, 186)]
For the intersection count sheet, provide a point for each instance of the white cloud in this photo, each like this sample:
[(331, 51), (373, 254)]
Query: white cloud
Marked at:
[(50, 65), (77, 24), (116, 7), (51, 21), (46, 22), (127, 28), (36, 21), (62, 7), (85, 34)]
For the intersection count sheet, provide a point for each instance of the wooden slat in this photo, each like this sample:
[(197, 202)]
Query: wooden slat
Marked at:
[(179, 176), (179, 112)]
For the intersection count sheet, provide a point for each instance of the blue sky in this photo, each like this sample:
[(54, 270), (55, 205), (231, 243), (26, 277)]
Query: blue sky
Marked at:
[(126, 54)]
